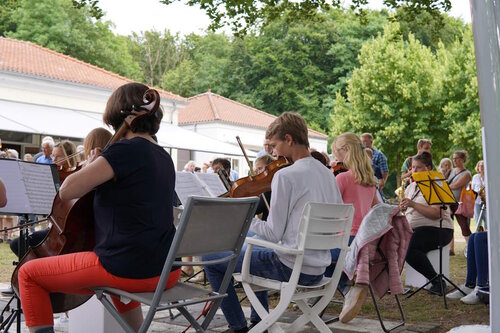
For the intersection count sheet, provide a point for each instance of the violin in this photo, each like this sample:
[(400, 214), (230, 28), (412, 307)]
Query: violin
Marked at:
[(339, 168), (72, 221), (258, 184)]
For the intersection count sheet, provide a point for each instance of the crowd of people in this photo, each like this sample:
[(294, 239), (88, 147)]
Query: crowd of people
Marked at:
[(134, 182)]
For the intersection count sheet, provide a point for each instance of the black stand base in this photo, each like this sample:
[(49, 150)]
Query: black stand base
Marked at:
[(13, 314), (440, 278)]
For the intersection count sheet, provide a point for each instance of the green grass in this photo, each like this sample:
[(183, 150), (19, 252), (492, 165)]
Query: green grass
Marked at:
[(6, 259)]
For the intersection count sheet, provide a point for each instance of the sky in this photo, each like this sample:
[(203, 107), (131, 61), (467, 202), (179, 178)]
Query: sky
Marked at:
[(136, 16)]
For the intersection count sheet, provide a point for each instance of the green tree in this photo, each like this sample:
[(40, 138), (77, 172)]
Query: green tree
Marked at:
[(460, 97), (203, 68), (7, 8), (393, 95), (242, 15), (429, 29), (156, 53), (60, 26)]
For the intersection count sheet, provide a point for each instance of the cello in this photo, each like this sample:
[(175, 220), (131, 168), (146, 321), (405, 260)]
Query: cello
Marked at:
[(72, 221)]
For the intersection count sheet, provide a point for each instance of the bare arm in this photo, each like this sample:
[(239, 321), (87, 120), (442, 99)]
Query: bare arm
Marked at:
[(89, 177), (464, 180), (3, 194), (431, 212)]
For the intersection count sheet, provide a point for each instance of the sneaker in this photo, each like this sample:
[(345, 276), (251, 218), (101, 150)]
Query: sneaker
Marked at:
[(472, 298), (457, 294), (354, 299), (436, 288)]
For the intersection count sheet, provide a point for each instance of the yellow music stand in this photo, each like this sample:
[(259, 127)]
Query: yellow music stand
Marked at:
[(436, 191), (434, 187)]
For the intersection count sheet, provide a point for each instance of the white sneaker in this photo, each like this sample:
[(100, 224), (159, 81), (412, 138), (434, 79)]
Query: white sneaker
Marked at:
[(472, 298), (457, 294)]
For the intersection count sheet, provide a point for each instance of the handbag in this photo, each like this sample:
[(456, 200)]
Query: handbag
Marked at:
[(466, 203)]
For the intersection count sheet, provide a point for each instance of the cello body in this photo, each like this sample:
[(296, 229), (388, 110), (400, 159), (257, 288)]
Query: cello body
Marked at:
[(71, 230)]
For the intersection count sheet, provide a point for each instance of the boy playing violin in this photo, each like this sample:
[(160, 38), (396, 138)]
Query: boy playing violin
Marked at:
[(292, 187)]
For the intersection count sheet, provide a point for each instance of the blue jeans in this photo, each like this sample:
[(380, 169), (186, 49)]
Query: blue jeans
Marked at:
[(264, 263), (329, 270), (477, 260)]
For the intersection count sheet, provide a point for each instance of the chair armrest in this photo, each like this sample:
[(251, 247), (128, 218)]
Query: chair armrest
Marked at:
[(269, 245)]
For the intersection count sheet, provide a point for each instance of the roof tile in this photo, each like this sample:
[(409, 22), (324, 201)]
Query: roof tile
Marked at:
[(31, 59), (209, 107)]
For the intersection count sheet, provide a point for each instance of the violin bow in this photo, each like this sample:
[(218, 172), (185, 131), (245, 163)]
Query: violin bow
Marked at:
[(251, 169)]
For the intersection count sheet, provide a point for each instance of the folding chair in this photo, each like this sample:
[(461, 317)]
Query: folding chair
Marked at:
[(322, 227), (207, 225)]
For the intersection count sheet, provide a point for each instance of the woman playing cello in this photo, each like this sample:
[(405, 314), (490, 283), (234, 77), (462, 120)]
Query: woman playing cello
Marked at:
[(134, 180)]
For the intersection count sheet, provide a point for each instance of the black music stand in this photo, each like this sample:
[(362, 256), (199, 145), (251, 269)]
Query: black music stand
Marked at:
[(436, 191), (30, 189)]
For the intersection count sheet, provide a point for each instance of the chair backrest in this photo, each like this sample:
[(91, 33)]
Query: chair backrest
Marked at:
[(324, 226), (210, 225)]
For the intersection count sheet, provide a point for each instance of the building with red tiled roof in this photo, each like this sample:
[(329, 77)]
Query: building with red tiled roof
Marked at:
[(27, 58), (43, 92), (219, 117)]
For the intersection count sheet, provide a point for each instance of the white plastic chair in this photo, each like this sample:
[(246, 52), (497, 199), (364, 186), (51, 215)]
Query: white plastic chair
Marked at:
[(323, 227)]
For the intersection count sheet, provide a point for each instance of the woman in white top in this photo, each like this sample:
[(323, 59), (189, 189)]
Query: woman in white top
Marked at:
[(424, 220), (477, 183)]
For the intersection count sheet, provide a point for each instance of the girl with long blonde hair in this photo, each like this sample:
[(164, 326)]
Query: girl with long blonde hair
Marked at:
[(358, 187)]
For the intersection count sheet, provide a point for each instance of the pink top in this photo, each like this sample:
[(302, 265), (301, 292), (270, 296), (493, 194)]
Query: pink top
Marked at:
[(359, 195)]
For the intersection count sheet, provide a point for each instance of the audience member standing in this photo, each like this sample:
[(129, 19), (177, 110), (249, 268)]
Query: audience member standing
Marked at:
[(459, 178), (46, 155), (422, 145), (379, 161), (477, 184)]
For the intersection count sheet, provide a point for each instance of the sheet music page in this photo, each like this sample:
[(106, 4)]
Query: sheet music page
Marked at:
[(17, 199), (30, 187), (39, 185), (186, 184), (213, 182)]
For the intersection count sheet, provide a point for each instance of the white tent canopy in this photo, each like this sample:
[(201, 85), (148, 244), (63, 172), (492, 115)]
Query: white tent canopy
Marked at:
[(40, 119)]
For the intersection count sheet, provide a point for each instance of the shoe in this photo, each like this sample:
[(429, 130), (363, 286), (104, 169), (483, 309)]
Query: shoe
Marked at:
[(436, 288), (472, 298), (241, 330), (353, 302), (7, 291), (457, 294)]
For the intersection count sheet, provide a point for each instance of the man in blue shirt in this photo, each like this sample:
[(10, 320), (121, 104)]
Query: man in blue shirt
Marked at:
[(47, 146), (379, 161)]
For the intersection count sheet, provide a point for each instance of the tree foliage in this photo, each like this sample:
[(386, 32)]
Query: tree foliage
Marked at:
[(460, 97), (156, 53), (62, 27), (244, 15), (393, 94)]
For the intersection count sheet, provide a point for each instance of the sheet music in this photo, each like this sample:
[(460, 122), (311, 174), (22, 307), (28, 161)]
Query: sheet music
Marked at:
[(39, 185), (186, 184), (213, 182), (30, 187)]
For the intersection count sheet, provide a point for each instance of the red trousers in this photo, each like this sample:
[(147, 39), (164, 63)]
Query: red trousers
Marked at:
[(73, 273)]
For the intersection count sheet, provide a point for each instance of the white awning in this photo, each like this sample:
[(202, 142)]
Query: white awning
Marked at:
[(40, 119)]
